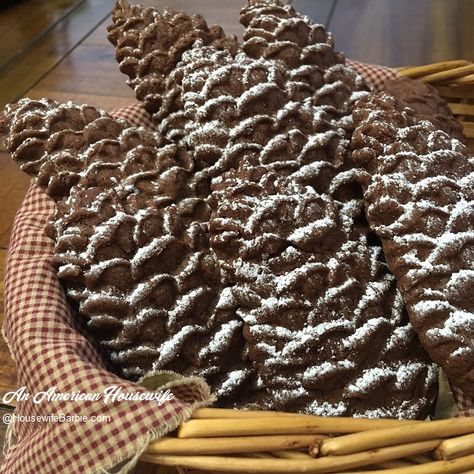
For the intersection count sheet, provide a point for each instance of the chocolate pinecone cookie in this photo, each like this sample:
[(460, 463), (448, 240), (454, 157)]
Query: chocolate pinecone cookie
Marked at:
[(277, 32), (46, 139), (427, 104), (131, 244), (148, 44), (420, 202), (325, 323)]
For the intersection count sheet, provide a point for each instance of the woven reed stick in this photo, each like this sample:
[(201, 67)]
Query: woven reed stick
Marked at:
[(259, 455), (273, 425), (462, 109), (245, 444), (459, 465), (464, 81), (465, 93), (276, 466), (449, 74), (455, 447), (418, 71), (313, 450), (393, 464), (356, 442), (468, 129)]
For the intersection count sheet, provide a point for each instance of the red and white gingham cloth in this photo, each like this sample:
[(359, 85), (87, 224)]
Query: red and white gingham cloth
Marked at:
[(50, 352)]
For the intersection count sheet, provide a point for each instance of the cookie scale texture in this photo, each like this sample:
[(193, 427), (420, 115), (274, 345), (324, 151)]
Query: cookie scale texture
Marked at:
[(325, 324), (131, 244), (148, 44), (420, 201)]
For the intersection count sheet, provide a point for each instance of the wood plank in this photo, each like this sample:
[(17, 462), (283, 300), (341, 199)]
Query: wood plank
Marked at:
[(23, 23), (93, 60), (86, 82), (47, 52), (405, 32), (89, 74), (13, 186), (7, 369)]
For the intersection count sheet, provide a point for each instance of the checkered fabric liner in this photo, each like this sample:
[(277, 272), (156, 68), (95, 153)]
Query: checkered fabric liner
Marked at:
[(49, 352)]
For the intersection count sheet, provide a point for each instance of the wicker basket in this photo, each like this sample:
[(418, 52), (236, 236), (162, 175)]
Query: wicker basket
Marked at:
[(454, 81), (220, 440)]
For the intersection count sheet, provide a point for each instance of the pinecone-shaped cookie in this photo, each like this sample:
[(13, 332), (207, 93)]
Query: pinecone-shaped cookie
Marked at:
[(46, 139), (241, 108), (275, 31), (148, 46), (420, 201), (132, 247), (325, 323), (320, 308)]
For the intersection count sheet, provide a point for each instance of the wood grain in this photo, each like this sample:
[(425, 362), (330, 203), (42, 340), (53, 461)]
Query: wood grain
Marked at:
[(405, 32), (13, 186), (23, 23), (7, 368), (28, 68), (88, 75)]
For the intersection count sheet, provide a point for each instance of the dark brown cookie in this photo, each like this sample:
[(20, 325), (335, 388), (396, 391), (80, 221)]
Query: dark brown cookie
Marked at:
[(132, 246), (277, 32), (148, 45), (46, 139), (420, 201)]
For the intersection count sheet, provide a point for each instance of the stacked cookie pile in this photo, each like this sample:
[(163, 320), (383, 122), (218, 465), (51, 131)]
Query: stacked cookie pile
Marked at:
[(245, 240)]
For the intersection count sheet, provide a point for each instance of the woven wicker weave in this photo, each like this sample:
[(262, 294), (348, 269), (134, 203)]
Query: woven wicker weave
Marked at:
[(220, 440), (454, 81)]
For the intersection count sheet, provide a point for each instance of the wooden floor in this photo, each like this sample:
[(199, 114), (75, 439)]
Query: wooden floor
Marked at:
[(58, 49)]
